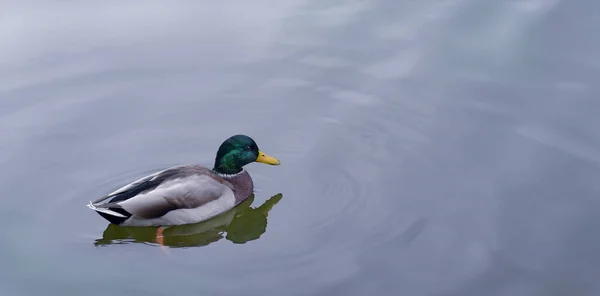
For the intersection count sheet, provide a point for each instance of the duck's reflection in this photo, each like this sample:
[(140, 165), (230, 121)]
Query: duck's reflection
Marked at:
[(240, 225)]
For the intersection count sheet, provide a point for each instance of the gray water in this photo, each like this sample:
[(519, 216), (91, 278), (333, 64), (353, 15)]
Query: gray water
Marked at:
[(428, 147)]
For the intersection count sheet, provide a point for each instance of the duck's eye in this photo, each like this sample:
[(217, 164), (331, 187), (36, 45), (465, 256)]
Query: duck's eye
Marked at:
[(248, 148)]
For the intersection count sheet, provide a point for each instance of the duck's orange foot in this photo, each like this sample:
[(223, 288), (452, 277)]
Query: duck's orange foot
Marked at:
[(160, 239)]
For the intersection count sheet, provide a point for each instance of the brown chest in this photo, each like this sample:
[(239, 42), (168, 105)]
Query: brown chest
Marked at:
[(242, 186)]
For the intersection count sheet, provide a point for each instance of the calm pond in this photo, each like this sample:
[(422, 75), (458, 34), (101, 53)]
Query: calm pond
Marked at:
[(428, 148)]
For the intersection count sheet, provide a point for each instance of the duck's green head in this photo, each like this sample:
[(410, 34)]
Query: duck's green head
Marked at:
[(238, 151)]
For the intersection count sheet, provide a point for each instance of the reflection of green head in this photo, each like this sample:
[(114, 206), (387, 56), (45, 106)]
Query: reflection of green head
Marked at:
[(238, 151), (251, 223)]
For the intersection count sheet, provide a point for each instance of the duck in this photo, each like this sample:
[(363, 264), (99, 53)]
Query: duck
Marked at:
[(189, 193)]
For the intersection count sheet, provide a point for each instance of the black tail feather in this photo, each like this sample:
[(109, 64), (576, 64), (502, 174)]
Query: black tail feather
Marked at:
[(114, 219)]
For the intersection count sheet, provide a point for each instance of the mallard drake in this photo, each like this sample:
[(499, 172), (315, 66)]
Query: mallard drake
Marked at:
[(186, 194)]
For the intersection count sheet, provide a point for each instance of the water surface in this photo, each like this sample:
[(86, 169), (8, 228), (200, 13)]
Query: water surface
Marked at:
[(428, 147)]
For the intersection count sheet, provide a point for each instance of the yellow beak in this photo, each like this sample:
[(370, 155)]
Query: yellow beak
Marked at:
[(262, 157)]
